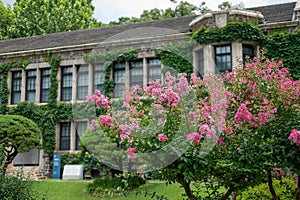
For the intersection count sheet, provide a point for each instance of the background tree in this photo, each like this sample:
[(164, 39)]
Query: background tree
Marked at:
[(37, 17), (6, 17), (17, 135), (228, 5)]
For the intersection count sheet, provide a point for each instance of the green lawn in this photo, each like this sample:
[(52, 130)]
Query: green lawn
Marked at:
[(76, 190)]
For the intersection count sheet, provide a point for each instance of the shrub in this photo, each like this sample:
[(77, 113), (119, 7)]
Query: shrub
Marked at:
[(17, 187), (285, 189), (114, 186)]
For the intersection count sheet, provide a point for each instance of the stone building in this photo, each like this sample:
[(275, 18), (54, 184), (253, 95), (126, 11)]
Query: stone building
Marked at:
[(77, 78)]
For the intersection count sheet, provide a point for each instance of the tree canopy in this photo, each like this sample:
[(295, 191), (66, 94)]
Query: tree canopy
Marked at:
[(37, 17), (17, 135)]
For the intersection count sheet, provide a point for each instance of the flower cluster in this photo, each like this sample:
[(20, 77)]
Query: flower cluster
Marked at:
[(99, 99), (295, 137)]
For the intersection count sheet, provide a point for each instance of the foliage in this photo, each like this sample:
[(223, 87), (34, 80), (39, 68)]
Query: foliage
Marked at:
[(263, 109), (17, 135), (183, 8), (150, 134), (4, 92), (285, 47), (227, 5), (6, 17), (177, 57), (46, 16), (17, 187), (101, 187), (83, 157), (285, 189), (233, 31)]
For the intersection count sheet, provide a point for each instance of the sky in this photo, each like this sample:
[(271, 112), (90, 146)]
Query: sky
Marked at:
[(111, 10)]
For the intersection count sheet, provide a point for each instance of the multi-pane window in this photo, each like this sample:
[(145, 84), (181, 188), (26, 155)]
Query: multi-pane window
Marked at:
[(45, 85), (154, 69), (30, 85), (99, 77), (65, 135), (223, 58), (248, 51), (119, 79), (136, 73), (81, 128), (82, 81), (66, 83), (16, 87)]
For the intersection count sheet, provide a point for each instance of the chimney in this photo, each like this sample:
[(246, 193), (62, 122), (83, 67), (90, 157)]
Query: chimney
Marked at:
[(297, 7)]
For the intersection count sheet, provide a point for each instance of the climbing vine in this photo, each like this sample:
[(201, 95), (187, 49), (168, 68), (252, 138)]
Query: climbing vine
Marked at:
[(177, 57), (286, 47), (233, 31), (4, 92)]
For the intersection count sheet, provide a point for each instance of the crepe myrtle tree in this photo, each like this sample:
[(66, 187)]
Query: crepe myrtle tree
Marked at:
[(18, 134), (263, 115), (161, 127)]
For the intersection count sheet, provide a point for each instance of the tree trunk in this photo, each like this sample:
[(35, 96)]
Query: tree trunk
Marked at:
[(298, 189), (186, 187), (228, 193), (232, 188), (234, 195), (270, 184)]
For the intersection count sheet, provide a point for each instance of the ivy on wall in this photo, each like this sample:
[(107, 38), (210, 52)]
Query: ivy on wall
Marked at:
[(4, 69), (233, 31), (286, 47), (178, 58)]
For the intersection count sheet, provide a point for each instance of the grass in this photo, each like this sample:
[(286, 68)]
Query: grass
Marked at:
[(76, 190)]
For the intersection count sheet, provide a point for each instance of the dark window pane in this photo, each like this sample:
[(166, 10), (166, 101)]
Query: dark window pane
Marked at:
[(223, 58), (45, 85), (154, 69), (136, 73), (119, 79), (81, 127), (65, 136), (16, 87), (82, 81), (66, 83)]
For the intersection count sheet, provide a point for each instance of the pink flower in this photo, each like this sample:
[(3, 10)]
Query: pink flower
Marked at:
[(130, 154), (105, 120), (295, 137), (195, 137), (162, 137), (94, 125)]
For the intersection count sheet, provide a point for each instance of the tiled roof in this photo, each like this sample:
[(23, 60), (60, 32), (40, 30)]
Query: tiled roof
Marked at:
[(95, 35), (277, 12)]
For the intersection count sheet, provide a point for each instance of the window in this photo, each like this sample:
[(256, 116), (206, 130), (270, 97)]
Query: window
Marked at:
[(65, 135), (66, 83), (248, 50), (119, 78), (99, 77), (223, 58), (81, 127), (16, 87), (136, 73), (45, 85), (30, 85), (154, 69), (82, 81)]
